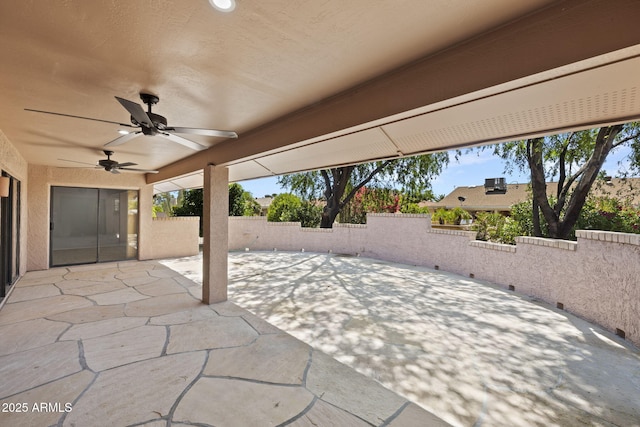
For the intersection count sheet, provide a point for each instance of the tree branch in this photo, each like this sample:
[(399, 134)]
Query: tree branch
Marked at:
[(364, 182)]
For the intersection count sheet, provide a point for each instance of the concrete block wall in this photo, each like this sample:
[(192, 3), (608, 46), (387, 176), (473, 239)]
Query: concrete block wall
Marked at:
[(596, 278), (174, 237)]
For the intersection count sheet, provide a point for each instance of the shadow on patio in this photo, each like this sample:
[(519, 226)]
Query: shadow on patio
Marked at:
[(472, 353), (130, 344)]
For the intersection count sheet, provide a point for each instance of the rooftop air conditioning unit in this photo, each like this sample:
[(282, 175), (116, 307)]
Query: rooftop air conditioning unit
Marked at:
[(495, 186)]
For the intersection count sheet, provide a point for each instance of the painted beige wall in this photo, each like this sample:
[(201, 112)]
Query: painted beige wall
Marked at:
[(41, 178), (595, 278), (15, 165), (174, 237)]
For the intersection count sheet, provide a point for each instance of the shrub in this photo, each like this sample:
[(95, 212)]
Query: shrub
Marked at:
[(494, 227), (309, 214), (413, 208), (283, 208)]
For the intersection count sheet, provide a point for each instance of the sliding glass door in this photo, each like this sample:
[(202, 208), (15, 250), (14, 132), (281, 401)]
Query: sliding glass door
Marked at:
[(90, 225), (9, 236)]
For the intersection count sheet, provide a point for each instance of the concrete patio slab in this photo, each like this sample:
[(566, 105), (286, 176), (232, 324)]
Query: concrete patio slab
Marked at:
[(470, 352), (168, 360)]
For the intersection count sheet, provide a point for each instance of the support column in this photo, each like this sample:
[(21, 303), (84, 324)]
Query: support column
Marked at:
[(216, 234)]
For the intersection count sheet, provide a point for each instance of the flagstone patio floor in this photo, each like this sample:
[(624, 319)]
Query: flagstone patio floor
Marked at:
[(472, 353), (130, 344)]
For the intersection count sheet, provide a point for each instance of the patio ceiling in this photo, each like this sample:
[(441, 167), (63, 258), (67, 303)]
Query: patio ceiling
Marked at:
[(311, 84)]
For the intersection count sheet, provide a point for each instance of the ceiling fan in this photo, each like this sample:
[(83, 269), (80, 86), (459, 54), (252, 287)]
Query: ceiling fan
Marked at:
[(113, 166), (151, 124)]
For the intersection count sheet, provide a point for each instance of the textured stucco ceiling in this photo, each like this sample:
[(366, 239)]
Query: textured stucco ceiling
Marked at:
[(413, 76)]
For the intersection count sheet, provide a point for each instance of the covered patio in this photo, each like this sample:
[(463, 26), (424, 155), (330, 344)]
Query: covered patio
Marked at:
[(131, 343), (305, 85)]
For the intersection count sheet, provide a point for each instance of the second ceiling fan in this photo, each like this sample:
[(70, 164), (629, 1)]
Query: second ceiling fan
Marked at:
[(151, 124)]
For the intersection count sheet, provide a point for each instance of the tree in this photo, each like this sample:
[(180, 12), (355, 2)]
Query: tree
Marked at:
[(241, 203), (284, 208), (251, 206), (574, 159), (236, 200), (192, 205), (337, 186)]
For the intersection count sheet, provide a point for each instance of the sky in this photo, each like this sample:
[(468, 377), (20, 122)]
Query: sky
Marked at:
[(470, 169)]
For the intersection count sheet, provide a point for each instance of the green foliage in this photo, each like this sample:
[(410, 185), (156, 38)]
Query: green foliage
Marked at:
[(496, 228), (162, 203), (440, 216), (412, 174), (370, 200), (309, 214), (251, 207), (240, 203), (457, 214), (599, 213), (283, 208), (236, 200), (191, 205), (609, 214), (573, 159), (338, 186), (450, 216), (413, 208), (287, 207)]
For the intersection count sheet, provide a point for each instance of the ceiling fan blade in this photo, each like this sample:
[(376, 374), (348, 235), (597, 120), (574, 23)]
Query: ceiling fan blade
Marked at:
[(183, 141), (127, 164), (138, 170), (75, 161), (80, 117), (136, 112), (122, 139), (205, 132)]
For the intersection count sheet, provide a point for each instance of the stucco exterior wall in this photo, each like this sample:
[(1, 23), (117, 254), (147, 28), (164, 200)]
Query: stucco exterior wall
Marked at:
[(42, 178), (15, 165), (595, 278), (174, 237)]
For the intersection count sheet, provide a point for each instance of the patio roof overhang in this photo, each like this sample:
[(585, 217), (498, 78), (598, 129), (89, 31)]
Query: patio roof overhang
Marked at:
[(313, 86), (514, 82)]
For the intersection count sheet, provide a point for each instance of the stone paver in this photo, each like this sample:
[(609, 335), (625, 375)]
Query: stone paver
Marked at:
[(271, 358), (41, 308), (139, 392), (25, 370), (224, 332), (121, 348), (30, 334), (121, 296), (242, 403), (110, 349), (100, 328), (33, 292), (470, 352), (59, 393)]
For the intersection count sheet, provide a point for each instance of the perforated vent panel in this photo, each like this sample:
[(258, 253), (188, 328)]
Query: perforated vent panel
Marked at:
[(550, 109)]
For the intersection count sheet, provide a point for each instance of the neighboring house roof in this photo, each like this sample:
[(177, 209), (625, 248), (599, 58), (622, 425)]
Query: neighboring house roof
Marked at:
[(264, 202), (476, 199), (626, 189)]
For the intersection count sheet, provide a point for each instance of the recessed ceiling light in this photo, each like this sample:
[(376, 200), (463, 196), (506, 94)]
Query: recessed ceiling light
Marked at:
[(123, 132), (223, 5)]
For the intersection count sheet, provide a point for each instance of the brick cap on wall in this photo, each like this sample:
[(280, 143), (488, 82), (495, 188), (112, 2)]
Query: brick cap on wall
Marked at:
[(609, 236)]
